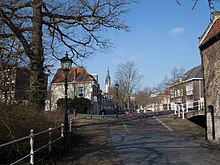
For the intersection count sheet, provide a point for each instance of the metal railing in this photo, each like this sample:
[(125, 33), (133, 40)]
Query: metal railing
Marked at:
[(179, 109), (182, 109), (31, 137)]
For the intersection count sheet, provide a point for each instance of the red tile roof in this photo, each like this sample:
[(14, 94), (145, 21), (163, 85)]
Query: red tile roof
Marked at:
[(212, 30), (77, 74)]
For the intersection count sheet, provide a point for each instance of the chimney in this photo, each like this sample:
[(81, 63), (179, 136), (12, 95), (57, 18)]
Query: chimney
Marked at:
[(215, 15)]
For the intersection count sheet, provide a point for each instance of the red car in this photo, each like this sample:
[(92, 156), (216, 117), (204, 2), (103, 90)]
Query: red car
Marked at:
[(128, 113)]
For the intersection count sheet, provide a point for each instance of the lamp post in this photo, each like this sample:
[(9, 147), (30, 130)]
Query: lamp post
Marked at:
[(91, 101), (66, 64), (116, 87)]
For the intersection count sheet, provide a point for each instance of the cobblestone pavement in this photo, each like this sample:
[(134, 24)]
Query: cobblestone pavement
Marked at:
[(98, 148)]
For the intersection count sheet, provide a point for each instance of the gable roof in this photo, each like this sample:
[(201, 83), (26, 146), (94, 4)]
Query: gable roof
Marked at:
[(76, 74), (194, 73), (212, 30)]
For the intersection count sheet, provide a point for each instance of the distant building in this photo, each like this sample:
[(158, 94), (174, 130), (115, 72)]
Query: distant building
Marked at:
[(107, 102), (15, 84), (193, 83), (189, 89), (80, 84), (209, 45), (166, 99)]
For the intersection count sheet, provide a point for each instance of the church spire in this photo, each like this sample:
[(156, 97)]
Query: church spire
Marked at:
[(107, 82)]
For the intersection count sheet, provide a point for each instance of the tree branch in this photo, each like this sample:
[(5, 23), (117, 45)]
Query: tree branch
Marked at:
[(17, 32)]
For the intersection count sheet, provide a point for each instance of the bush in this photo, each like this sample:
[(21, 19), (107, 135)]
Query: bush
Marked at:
[(16, 121), (81, 105), (61, 103)]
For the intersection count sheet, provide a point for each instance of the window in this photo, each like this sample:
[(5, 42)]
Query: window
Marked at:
[(189, 89), (178, 92), (172, 93), (80, 91), (81, 77)]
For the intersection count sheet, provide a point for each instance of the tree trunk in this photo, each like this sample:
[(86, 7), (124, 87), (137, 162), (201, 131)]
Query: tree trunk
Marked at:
[(37, 77)]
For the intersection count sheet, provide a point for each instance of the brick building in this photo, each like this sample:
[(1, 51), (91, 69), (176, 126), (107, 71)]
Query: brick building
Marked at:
[(209, 44), (15, 84), (189, 88)]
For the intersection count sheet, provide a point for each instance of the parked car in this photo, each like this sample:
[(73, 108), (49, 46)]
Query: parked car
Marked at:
[(129, 113)]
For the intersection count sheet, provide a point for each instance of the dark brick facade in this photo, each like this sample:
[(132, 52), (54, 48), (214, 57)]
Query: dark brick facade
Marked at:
[(15, 84), (210, 54)]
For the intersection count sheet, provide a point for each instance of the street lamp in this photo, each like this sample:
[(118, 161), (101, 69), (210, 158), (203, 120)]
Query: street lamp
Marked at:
[(66, 64), (116, 87), (91, 101)]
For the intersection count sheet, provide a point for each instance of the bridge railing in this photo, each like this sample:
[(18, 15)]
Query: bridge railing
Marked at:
[(31, 137), (181, 109)]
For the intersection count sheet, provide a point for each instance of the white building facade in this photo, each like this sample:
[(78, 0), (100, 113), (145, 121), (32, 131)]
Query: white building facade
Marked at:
[(80, 84)]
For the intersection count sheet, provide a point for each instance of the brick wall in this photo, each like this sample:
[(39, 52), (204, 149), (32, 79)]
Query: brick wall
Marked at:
[(211, 63)]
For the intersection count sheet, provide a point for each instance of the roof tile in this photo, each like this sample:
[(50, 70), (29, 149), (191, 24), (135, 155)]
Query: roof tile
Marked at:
[(78, 74), (212, 31)]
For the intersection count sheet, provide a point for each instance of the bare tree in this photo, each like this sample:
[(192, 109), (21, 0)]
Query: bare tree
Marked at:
[(10, 58), (143, 97), (212, 3), (48, 27), (175, 74), (128, 78)]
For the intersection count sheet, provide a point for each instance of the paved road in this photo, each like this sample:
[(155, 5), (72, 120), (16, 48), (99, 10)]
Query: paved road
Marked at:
[(147, 141), (152, 140)]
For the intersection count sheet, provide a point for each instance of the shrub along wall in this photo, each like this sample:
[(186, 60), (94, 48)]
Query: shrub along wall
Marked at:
[(80, 105)]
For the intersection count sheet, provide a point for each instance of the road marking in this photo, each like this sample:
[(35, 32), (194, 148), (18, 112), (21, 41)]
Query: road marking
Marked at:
[(163, 124), (124, 125)]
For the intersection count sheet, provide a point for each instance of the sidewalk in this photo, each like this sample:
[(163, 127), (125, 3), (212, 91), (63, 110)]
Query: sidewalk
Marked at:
[(95, 147), (184, 127), (188, 129)]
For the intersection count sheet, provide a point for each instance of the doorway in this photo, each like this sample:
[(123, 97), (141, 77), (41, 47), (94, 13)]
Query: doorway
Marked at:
[(211, 111)]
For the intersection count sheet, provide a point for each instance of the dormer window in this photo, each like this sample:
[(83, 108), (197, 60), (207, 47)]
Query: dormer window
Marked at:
[(80, 91), (81, 77)]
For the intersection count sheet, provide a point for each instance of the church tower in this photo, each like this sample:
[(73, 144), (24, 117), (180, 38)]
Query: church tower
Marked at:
[(107, 83)]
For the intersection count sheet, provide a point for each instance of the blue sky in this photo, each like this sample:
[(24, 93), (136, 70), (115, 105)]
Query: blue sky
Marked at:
[(162, 35)]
